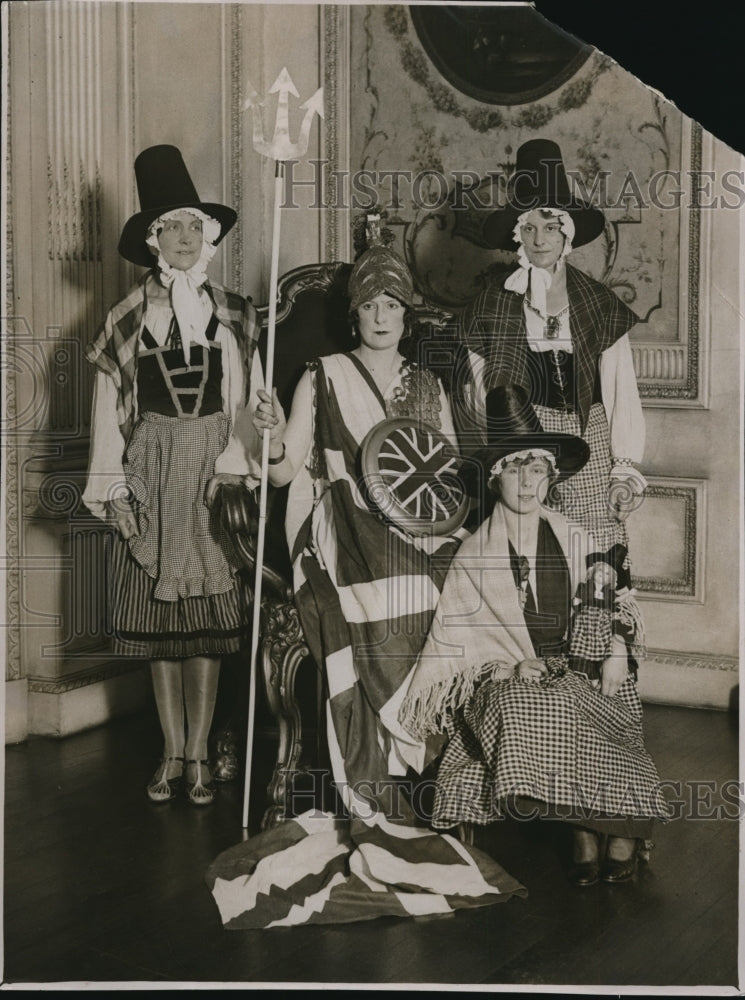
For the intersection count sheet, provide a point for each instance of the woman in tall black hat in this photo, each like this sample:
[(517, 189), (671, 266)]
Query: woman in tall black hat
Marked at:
[(562, 336), (174, 360), (529, 735)]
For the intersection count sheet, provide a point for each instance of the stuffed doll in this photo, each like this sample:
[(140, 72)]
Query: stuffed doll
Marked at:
[(605, 607)]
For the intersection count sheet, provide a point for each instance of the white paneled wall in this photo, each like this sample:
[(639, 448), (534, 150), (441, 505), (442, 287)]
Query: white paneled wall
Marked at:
[(91, 84)]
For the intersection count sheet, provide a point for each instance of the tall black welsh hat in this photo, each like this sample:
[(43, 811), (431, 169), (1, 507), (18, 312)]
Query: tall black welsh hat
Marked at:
[(164, 185), (540, 181), (512, 425)]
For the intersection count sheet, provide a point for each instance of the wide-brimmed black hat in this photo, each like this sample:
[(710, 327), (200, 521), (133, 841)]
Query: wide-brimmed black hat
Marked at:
[(164, 185), (512, 425), (540, 181)]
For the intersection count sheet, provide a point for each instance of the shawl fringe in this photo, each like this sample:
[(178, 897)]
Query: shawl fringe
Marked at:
[(428, 712), (629, 614)]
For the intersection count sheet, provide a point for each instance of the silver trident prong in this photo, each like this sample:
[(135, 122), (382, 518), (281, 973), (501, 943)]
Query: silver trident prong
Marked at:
[(280, 147)]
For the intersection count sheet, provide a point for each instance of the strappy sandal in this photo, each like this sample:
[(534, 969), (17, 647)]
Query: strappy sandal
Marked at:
[(160, 788), (197, 792)]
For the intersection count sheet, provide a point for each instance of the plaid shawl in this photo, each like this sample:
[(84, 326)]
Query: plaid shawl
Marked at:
[(365, 594), (493, 328), (114, 349)]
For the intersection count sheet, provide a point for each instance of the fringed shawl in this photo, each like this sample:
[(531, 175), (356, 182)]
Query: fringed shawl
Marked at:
[(478, 630), (493, 327), (114, 349)]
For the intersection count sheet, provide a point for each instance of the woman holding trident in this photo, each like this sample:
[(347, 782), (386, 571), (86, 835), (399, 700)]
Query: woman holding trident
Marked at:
[(365, 591)]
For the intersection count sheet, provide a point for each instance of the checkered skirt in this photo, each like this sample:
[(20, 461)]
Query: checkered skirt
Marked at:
[(174, 587), (562, 743), (584, 497), (592, 633)]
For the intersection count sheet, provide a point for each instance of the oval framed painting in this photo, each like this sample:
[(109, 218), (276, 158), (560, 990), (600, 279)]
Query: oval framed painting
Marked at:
[(498, 53)]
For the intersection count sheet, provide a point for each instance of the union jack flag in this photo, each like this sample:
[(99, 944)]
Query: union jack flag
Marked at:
[(420, 471), (377, 857)]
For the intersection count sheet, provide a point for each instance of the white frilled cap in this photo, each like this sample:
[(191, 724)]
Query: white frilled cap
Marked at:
[(184, 286), (538, 279), (523, 456)]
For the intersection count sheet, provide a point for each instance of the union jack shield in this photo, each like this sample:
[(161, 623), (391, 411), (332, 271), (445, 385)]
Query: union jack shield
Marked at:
[(411, 475)]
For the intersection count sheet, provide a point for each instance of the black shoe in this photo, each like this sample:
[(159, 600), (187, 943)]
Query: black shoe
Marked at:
[(614, 872), (585, 867), (584, 873)]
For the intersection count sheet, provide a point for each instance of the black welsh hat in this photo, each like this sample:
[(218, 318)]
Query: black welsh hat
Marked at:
[(512, 425), (164, 185), (540, 181)]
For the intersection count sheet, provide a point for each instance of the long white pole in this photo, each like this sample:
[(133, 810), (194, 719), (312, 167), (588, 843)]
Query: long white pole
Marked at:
[(263, 487)]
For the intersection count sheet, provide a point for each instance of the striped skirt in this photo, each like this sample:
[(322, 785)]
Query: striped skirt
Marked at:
[(151, 629)]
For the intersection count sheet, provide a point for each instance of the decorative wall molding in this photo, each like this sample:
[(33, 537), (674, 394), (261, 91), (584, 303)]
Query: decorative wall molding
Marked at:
[(693, 680), (9, 390), (73, 100), (335, 58), (233, 185), (83, 678), (126, 86), (51, 496), (67, 709), (689, 585), (659, 363), (693, 661), (74, 133), (674, 375), (8, 290)]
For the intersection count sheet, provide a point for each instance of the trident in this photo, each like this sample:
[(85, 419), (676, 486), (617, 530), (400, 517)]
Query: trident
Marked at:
[(279, 149)]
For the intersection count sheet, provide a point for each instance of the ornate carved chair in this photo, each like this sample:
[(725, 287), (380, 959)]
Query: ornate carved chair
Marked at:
[(312, 321)]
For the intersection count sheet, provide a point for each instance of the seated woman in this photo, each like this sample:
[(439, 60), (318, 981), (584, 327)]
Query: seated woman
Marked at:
[(529, 733), (365, 592), (345, 557)]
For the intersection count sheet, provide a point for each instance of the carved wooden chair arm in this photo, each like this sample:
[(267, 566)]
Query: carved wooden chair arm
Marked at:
[(283, 650), (238, 511)]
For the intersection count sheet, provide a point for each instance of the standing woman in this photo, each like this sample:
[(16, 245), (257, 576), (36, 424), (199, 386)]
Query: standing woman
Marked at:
[(169, 425), (561, 336)]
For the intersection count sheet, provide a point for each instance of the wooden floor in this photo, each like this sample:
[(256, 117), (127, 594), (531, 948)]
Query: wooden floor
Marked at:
[(101, 886)]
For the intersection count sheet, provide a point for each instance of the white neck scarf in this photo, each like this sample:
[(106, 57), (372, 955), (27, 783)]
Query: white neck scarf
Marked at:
[(184, 286), (538, 279)]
